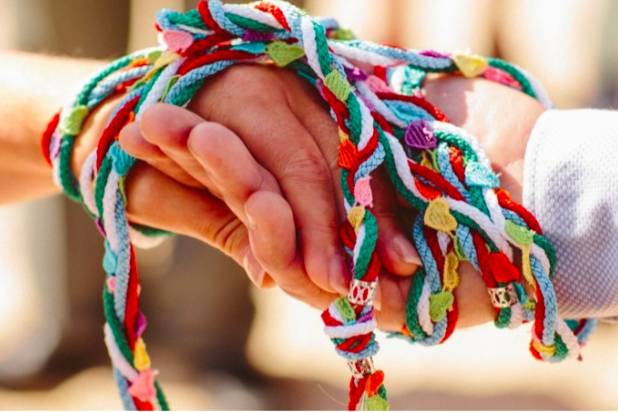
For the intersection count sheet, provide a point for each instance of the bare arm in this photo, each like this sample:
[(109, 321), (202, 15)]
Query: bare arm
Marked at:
[(32, 89)]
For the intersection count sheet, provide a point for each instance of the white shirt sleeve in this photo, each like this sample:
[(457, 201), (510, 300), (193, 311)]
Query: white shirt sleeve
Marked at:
[(571, 185)]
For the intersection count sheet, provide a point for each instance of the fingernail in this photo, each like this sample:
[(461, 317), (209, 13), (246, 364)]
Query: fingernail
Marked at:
[(405, 251), (339, 275), (254, 270), (250, 220)]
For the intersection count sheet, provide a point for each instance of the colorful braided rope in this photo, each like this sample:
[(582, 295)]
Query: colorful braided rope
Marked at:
[(383, 119)]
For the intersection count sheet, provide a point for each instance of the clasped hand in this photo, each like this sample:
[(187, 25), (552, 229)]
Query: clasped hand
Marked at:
[(250, 167)]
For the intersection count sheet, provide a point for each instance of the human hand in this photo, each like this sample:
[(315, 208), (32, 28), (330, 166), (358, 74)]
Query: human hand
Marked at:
[(501, 119), (228, 169), (285, 128), (505, 145)]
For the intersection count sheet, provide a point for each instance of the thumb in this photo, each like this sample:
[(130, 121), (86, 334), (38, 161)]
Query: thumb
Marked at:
[(156, 200)]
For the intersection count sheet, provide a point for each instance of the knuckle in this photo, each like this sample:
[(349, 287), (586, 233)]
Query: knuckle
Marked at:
[(228, 236), (306, 168), (201, 136)]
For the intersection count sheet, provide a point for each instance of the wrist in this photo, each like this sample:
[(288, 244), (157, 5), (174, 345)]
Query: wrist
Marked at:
[(87, 140)]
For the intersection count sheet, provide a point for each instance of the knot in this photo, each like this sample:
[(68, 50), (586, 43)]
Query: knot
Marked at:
[(350, 327)]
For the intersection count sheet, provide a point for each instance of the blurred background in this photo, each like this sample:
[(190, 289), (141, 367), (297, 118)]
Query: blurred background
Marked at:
[(221, 344)]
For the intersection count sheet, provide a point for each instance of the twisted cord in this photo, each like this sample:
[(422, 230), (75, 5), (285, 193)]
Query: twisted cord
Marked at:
[(383, 120)]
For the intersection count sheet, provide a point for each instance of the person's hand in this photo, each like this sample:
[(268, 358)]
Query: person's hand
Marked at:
[(290, 135), (228, 169), (500, 117), (478, 104)]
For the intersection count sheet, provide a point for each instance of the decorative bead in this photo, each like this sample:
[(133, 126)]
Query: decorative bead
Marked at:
[(111, 283), (500, 297), (451, 277), (355, 74), (361, 292), (72, 123), (153, 56), (177, 41), (519, 234), (141, 324), (345, 309), (361, 368), (338, 85), (438, 216), (143, 387), (434, 53), (374, 381), (427, 161), (341, 34), (255, 36), (439, 304), (282, 53), (376, 84), (347, 155), (362, 192), (502, 269), (164, 59), (141, 360), (356, 216), (376, 403), (419, 135), (470, 65)]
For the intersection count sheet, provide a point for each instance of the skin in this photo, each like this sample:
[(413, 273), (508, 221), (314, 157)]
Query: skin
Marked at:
[(279, 208), (235, 167)]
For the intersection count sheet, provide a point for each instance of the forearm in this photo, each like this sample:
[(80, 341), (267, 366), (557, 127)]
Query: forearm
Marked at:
[(32, 88)]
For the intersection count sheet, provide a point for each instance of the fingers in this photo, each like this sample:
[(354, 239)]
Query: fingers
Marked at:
[(283, 146), (252, 193), (272, 239), (392, 295), (168, 127), (473, 302), (395, 248), (132, 141), (312, 113), (398, 255), (154, 199), (230, 165)]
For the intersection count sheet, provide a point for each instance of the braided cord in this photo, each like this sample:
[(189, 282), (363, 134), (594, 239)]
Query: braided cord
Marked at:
[(383, 119)]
